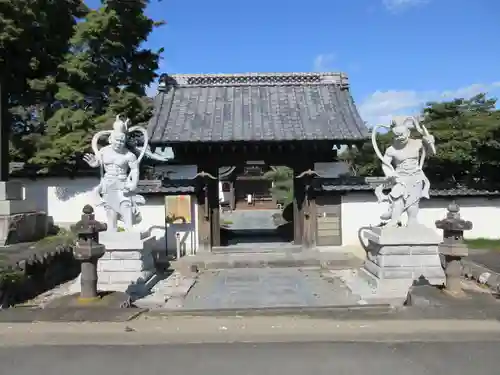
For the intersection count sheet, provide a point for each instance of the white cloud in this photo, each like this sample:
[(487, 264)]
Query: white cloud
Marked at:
[(401, 5), (381, 106), (323, 62)]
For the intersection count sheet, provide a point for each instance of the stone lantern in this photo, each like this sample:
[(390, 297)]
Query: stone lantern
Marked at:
[(88, 251), (453, 247)]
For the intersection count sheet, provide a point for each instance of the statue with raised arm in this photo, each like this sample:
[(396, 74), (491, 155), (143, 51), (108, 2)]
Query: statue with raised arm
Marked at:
[(119, 173), (402, 164)]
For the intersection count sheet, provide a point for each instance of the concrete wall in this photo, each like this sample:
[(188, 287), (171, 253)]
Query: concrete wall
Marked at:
[(64, 198), (361, 209)]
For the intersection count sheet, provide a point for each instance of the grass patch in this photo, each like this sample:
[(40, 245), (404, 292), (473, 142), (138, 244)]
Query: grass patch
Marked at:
[(483, 243), (62, 237)]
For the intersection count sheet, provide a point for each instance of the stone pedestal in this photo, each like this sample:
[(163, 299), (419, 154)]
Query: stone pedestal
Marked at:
[(127, 265), (19, 221), (396, 258)]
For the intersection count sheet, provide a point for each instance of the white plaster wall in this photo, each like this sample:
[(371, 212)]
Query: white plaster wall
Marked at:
[(188, 232), (64, 199), (361, 209)]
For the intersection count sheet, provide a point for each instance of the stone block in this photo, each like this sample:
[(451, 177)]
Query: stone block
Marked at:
[(24, 227), (131, 240), (404, 260), (414, 235), (390, 250), (16, 207), (125, 265), (434, 273), (128, 255), (11, 190), (397, 257), (456, 249), (128, 277)]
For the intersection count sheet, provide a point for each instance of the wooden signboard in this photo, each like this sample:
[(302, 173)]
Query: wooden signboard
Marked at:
[(178, 208)]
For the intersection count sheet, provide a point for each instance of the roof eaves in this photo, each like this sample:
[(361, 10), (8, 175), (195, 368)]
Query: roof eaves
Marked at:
[(255, 79)]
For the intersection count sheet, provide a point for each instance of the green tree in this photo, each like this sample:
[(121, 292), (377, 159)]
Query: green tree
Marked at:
[(463, 130), (282, 190), (34, 36), (105, 73), (468, 151)]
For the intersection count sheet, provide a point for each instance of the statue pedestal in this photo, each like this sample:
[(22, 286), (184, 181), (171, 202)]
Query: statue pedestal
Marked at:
[(396, 258), (128, 264)]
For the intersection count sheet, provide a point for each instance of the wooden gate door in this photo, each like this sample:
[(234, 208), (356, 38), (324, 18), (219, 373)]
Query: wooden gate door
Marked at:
[(328, 213)]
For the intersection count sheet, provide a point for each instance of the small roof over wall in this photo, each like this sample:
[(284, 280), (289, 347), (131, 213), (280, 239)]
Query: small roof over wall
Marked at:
[(343, 185), (255, 107)]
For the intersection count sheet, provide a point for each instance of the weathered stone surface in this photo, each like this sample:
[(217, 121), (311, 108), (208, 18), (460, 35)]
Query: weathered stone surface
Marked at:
[(105, 300), (16, 207), (265, 288), (397, 257), (128, 264), (23, 227), (125, 240), (328, 260), (11, 190), (399, 236), (69, 314)]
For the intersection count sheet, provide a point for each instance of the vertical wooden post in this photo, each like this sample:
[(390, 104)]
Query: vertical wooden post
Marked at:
[(313, 219), (204, 235), (298, 206), (214, 204), (302, 210), (4, 131), (308, 237), (210, 235)]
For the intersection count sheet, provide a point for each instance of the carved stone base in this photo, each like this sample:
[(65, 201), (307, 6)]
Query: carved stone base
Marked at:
[(397, 258), (128, 264)]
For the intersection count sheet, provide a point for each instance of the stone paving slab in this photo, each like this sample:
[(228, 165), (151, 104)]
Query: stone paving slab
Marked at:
[(488, 258), (266, 288), (69, 314), (250, 219), (484, 267)]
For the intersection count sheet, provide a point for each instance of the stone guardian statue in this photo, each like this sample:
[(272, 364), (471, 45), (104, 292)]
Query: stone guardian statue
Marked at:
[(119, 174), (402, 164)]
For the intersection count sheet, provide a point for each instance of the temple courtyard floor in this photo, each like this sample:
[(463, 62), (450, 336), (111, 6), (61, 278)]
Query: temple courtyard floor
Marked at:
[(282, 283)]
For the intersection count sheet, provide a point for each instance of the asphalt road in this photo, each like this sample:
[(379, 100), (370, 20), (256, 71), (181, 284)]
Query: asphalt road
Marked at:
[(463, 358)]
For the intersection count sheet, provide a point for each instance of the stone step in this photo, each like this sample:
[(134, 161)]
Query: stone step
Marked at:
[(305, 258), (256, 248)]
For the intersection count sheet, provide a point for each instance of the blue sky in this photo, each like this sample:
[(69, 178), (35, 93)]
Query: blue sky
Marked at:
[(398, 53)]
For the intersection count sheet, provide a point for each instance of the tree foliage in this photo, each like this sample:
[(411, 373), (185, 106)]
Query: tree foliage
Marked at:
[(34, 37), (467, 141), (75, 69), (282, 189)]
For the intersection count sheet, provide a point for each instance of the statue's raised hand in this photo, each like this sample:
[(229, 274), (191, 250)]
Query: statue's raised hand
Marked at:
[(91, 160)]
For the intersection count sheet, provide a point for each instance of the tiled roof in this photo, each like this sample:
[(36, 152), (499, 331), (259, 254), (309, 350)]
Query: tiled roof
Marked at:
[(165, 187), (255, 107), (354, 184)]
